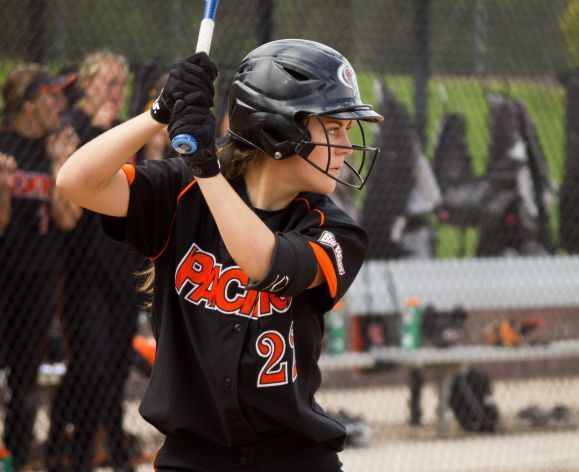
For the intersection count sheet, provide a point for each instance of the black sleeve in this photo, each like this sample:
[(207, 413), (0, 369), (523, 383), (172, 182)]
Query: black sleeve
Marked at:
[(155, 187), (293, 266), (327, 238), (340, 247)]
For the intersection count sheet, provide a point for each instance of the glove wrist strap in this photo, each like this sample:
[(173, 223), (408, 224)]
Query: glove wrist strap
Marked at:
[(160, 111), (204, 167)]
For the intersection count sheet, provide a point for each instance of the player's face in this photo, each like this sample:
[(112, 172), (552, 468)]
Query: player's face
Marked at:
[(337, 133), (48, 108), (108, 86)]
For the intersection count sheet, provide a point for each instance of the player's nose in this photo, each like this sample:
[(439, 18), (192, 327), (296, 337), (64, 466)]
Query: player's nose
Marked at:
[(346, 146)]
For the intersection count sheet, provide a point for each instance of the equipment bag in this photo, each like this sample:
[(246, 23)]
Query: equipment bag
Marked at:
[(472, 403)]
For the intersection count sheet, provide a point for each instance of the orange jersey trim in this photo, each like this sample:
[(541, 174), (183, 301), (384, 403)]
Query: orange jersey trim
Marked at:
[(155, 461), (183, 192), (160, 253), (129, 170), (327, 268), (307, 202), (145, 347), (322, 218)]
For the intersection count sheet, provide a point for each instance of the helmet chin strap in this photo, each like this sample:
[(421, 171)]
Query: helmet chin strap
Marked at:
[(302, 148), (236, 136)]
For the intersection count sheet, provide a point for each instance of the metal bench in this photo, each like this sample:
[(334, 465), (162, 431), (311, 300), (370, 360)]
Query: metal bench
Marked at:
[(445, 363), (475, 284), (506, 283)]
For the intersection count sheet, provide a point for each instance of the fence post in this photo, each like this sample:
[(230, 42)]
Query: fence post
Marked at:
[(37, 16), (176, 33), (265, 22), (422, 71), (480, 37)]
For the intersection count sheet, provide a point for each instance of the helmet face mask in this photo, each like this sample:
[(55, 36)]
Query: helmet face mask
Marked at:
[(281, 85), (357, 166)]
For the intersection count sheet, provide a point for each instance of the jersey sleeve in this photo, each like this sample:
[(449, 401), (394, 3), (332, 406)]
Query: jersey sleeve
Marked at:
[(327, 238), (339, 246), (155, 187)]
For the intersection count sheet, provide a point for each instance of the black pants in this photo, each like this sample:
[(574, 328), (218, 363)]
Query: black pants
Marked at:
[(26, 310), (287, 453), (99, 324)]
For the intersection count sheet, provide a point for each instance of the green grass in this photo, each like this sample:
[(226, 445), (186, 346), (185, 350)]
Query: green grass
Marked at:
[(544, 99)]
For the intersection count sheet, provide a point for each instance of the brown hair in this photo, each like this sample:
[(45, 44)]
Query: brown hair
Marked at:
[(234, 157), (16, 87)]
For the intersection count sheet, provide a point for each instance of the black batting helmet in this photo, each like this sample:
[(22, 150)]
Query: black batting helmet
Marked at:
[(281, 84)]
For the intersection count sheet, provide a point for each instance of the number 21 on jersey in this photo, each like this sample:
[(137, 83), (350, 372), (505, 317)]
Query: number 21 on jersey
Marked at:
[(271, 345)]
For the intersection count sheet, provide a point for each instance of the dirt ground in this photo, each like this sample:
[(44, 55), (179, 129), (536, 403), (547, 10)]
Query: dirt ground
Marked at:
[(396, 446)]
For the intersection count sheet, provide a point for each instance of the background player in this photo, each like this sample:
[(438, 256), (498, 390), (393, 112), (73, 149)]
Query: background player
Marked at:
[(100, 309), (31, 240), (246, 259)]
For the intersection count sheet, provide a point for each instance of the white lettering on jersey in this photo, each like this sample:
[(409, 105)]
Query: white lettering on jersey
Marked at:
[(201, 280), (328, 239)]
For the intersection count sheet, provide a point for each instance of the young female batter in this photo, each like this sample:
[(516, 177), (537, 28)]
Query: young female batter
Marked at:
[(247, 257)]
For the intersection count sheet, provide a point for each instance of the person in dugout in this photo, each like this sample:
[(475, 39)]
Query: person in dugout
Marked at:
[(248, 251), (100, 309), (34, 217)]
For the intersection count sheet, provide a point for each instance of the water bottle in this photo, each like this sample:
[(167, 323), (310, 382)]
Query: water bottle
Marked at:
[(411, 324), (6, 464), (337, 331)]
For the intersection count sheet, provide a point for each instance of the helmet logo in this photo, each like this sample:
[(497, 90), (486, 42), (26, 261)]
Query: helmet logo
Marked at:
[(347, 76)]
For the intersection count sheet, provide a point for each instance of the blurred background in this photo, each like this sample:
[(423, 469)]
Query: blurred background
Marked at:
[(457, 348)]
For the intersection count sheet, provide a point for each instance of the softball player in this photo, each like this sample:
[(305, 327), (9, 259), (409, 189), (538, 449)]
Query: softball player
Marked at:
[(248, 255)]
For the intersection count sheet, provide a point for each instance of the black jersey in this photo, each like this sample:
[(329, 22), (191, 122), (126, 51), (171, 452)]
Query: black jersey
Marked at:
[(90, 255), (234, 364), (81, 123), (31, 242)]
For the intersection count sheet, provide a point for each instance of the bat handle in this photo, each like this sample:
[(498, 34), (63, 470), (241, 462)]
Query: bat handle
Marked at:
[(184, 144)]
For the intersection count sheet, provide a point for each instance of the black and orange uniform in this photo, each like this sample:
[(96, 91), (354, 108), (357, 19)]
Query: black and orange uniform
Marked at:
[(236, 371), (30, 262), (99, 320), (81, 122)]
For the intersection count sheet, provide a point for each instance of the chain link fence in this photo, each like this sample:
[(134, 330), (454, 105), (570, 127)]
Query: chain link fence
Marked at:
[(456, 349)]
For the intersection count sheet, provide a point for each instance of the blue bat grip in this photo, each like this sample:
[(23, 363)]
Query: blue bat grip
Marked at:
[(184, 144), (210, 9)]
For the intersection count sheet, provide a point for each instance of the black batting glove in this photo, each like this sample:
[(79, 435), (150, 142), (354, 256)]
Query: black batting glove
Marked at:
[(194, 74), (192, 115)]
